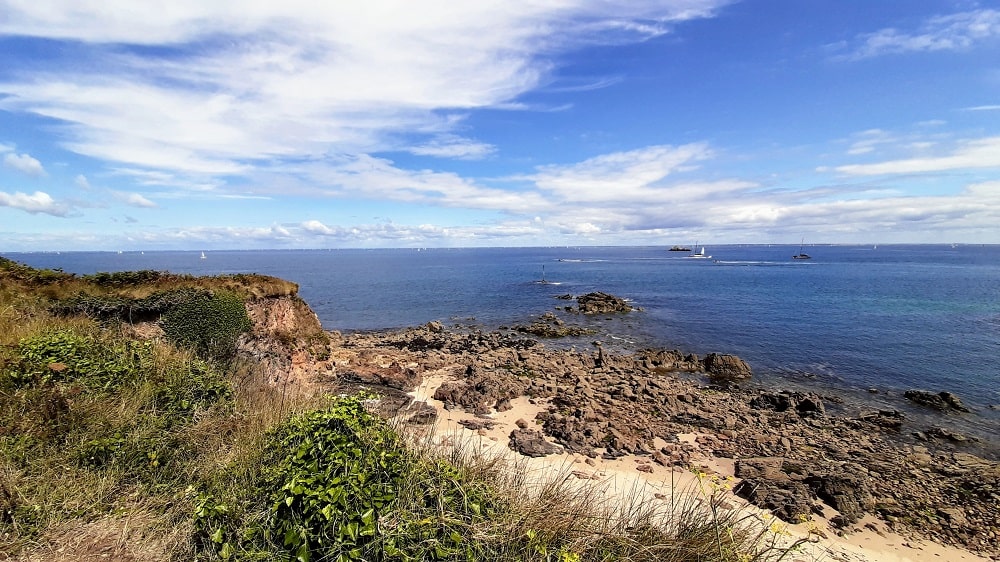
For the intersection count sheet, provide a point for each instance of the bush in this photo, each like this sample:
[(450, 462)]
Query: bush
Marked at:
[(209, 323), (64, 355), (330, 477)]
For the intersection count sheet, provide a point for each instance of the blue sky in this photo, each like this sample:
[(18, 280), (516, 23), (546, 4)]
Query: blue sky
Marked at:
[(304, 124)]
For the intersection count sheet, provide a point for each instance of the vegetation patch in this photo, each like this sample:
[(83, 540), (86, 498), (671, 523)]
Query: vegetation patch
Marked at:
[(209, 323)]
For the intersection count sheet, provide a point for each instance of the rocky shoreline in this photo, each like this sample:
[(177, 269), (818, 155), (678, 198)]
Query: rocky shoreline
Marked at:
[(789, 454)]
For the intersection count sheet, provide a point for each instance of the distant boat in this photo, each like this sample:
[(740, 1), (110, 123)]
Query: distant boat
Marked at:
[(543, 281), (203, 255), (679, 249), (801, 255), (700, 254)]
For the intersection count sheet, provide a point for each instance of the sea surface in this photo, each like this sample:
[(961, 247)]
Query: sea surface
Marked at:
[(864, 322)]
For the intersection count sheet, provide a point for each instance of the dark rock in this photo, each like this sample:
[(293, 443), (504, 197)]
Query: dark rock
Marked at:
[(953, 436), (420, 413), (480, 392), (477, 424), (725, 369), (943, 401), (767, 468), (845, 492), (531, 443), (550, 326), (789, 501), (804, 404), (602, 303), (888, 419), (393, 376)]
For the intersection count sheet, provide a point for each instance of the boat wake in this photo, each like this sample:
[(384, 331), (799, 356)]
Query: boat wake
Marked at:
[(751, 263)]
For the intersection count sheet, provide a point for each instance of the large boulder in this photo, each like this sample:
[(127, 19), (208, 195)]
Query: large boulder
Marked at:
[(804, 404), (845, 492), (480, 392), (532, 443), (393, 376), (788, 500), (726, 369)]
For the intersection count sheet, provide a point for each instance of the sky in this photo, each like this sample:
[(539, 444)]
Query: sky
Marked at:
[(256, 124)]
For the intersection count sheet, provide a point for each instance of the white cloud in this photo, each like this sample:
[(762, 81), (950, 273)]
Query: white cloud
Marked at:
[(24, 163), (82, 182), (979, 153), (134, 200), (451, 146), (621, 176), (983, 108), (37, 202), (952, 32), (368, 177), (300, 79), (868, 141)]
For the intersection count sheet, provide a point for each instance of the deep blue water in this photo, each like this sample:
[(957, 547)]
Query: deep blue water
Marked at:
[(852, 318)]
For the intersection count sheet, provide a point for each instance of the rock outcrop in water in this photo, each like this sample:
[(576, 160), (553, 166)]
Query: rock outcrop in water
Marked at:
[(943, 401), (602, 303)]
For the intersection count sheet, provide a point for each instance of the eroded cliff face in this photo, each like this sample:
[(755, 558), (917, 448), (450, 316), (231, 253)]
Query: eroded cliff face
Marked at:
[(287, 342)]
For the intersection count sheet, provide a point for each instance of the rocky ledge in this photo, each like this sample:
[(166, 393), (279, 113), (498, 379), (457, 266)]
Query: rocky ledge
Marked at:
[(790, 454)]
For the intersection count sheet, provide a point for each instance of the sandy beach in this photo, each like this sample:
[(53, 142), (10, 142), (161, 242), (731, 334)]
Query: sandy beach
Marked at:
[(870, 540)]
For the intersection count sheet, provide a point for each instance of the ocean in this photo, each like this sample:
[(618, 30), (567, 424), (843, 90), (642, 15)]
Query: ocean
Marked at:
[(864, 322)]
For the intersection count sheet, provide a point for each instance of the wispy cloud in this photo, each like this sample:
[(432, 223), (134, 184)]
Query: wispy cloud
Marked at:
[(951, 32), (983, 108), (276, 81), (620, 176), (24, 163), (453, 146), (969, 154), (37, 202)]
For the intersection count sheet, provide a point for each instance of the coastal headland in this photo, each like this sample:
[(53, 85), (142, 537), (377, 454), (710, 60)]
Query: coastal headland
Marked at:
[(646, 419)]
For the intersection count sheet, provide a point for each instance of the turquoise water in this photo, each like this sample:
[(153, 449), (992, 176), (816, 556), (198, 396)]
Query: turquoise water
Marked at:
[(852, 318)]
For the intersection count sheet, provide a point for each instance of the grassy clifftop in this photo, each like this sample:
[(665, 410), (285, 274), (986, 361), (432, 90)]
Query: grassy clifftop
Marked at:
[(57, 285)]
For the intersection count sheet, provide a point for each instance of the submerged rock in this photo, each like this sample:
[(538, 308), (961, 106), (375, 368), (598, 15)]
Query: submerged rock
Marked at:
[(551, 326), (943, 401)]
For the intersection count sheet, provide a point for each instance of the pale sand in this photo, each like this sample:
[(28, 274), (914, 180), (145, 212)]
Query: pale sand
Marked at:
[(868, 541)]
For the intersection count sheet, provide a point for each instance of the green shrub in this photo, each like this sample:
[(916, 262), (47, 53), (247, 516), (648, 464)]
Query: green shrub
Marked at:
[(210, 323), (66, 355)]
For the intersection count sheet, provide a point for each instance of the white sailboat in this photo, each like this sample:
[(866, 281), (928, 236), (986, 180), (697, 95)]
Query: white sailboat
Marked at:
[(700, 254), (203, 255)]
